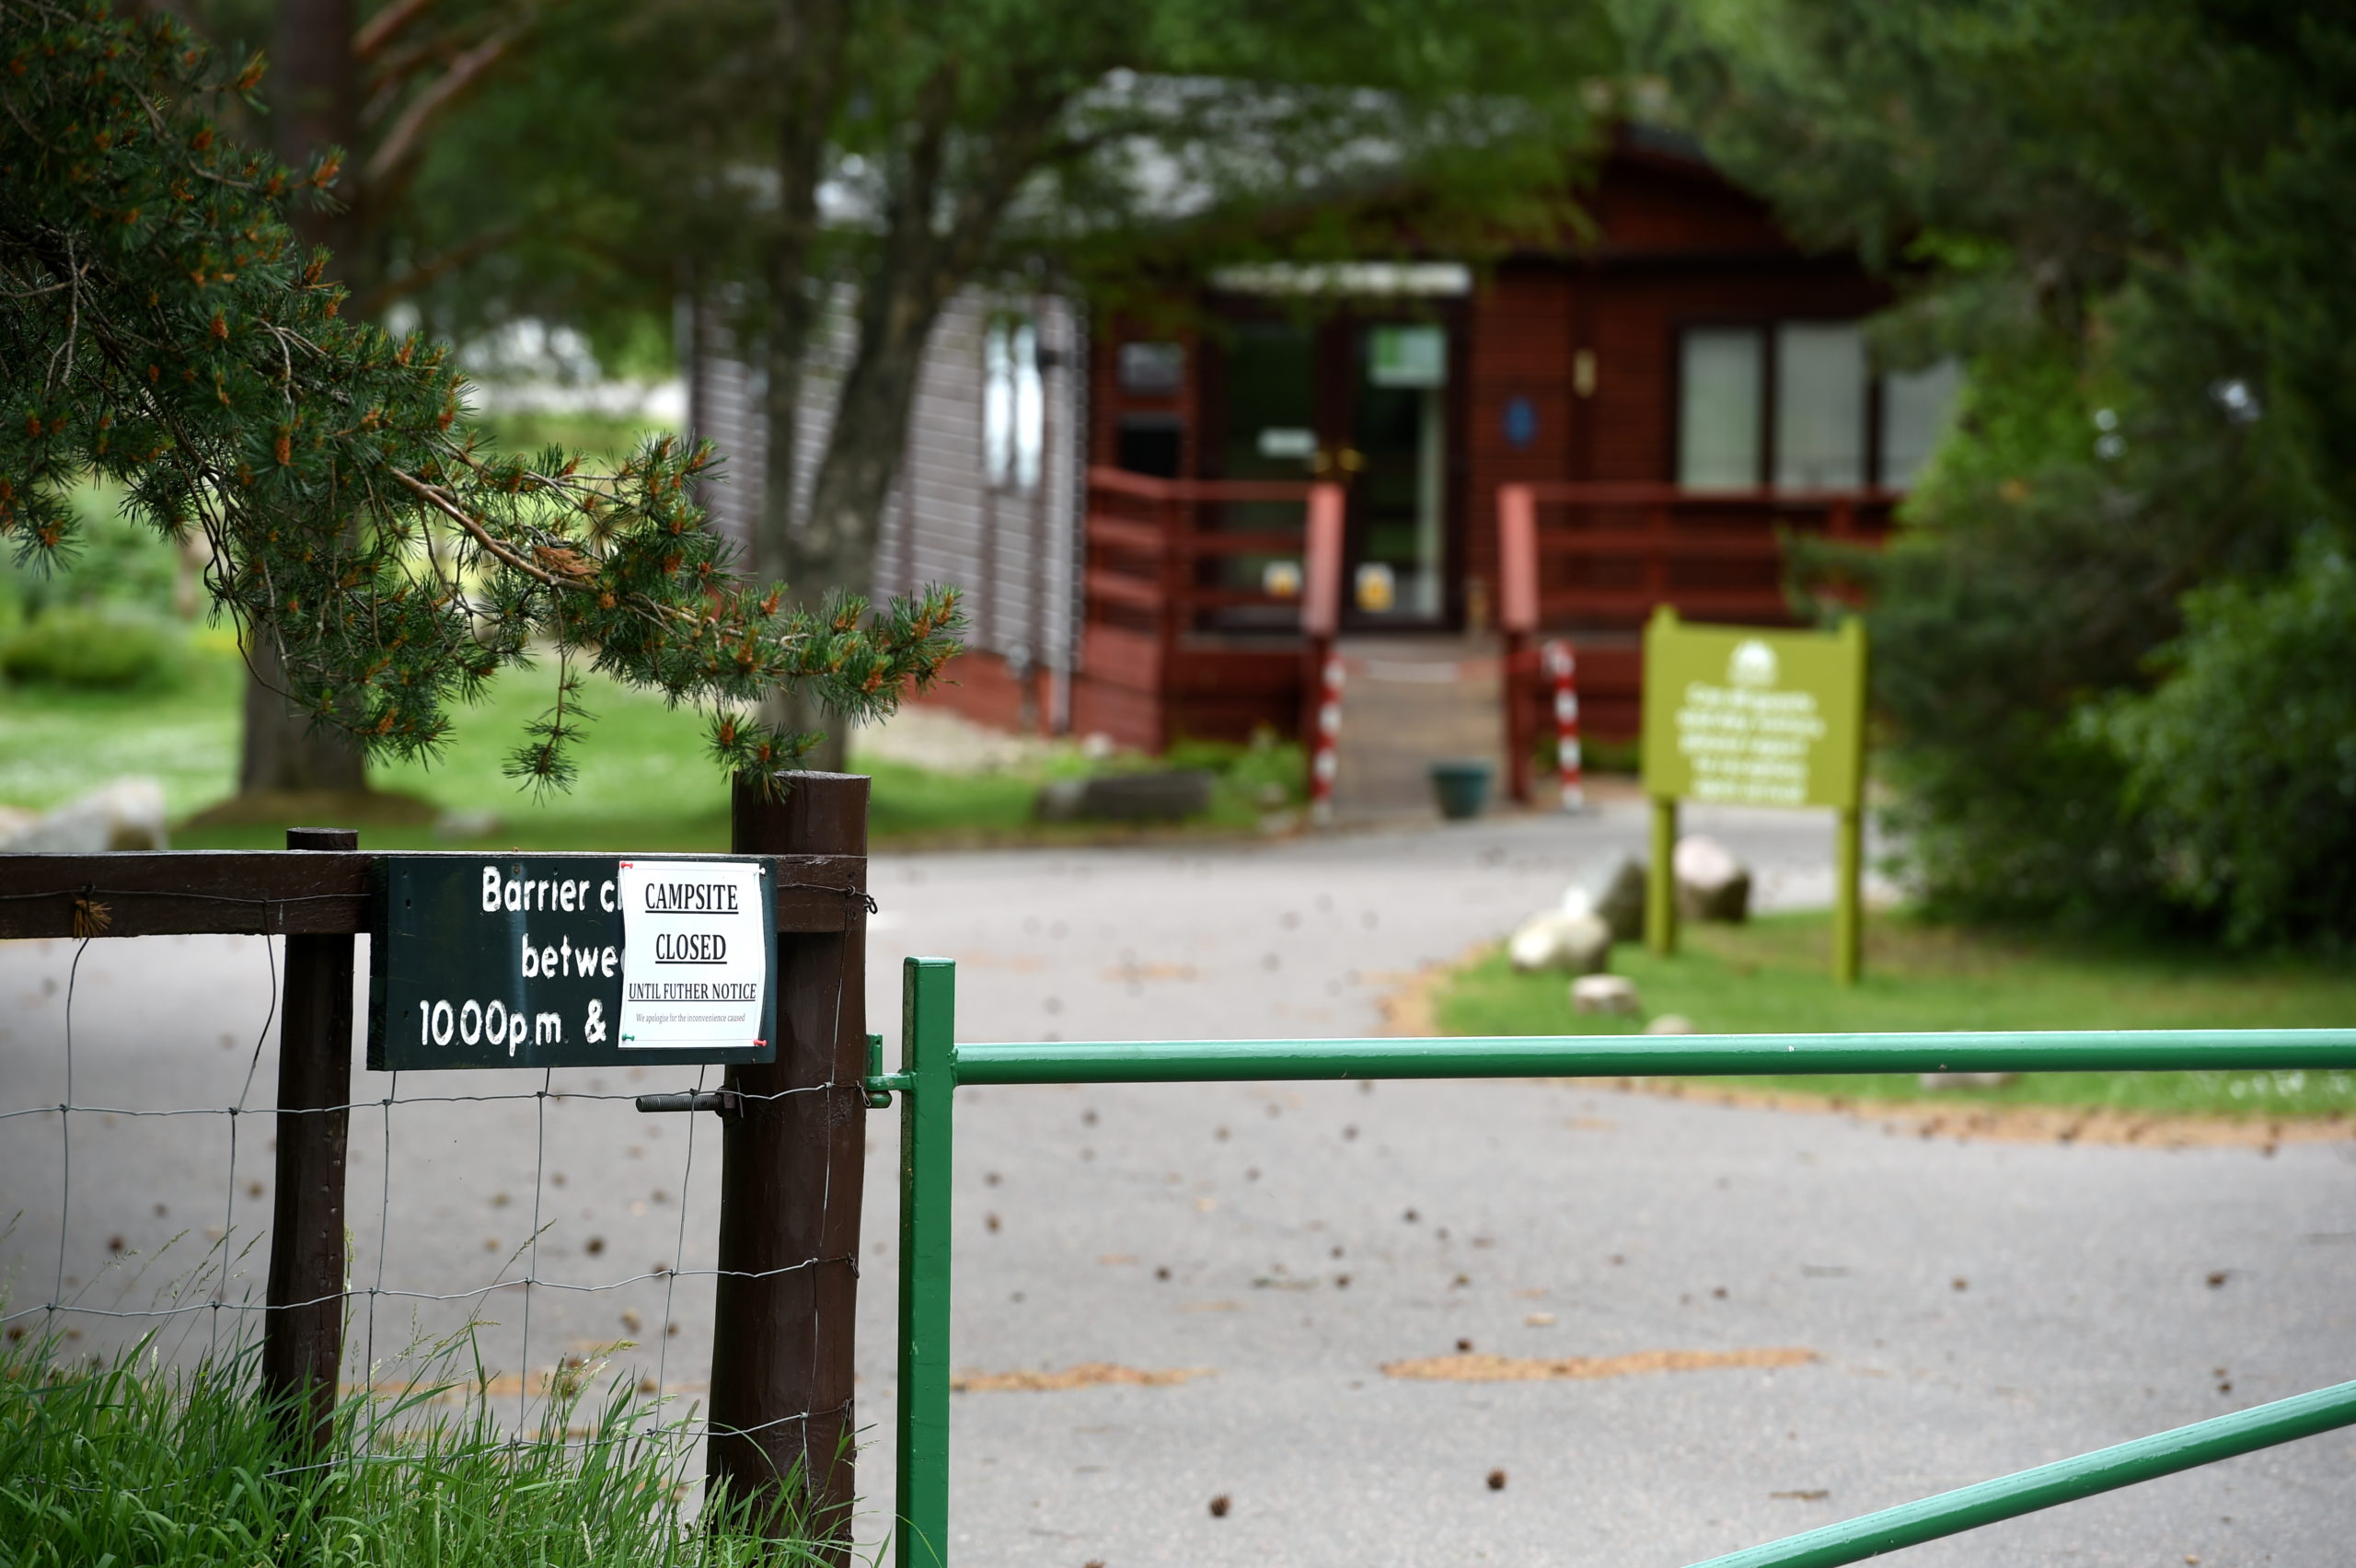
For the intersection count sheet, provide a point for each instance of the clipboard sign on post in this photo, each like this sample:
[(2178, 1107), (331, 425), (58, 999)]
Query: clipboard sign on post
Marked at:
[(695, 963)]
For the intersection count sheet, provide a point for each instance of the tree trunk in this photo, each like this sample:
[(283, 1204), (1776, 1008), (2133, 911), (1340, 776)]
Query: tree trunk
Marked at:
[(811, 39), (316, 104), (835, 545), (282, 751), (924, 261)]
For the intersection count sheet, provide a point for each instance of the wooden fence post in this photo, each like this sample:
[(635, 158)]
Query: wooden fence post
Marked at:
[(791, 1167), (302, 1343)]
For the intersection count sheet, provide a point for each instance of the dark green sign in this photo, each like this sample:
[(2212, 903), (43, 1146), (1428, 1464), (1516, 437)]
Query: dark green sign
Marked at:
[(571, 961)]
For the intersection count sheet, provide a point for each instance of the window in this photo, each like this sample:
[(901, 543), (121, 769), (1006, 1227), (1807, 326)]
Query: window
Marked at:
[(1797, 406), (1013, 404), (1151, 370), (1820, 385), (1150, 444), (1914, 409), (1719, 409)]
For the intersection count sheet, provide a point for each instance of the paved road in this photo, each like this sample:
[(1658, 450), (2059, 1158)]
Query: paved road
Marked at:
[(2083, 1315)]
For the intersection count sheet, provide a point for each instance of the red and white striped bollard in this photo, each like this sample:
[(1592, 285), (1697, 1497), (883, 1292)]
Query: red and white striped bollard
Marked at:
[(1564, 666), (1322, 762)]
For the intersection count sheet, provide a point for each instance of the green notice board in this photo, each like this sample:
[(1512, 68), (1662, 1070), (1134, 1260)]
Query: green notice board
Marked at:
[(571, 960), (1747, 716), (1753, 716)]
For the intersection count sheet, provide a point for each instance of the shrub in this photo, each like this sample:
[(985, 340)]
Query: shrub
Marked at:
[(2244, 761), (1265, 772), (92, 648)]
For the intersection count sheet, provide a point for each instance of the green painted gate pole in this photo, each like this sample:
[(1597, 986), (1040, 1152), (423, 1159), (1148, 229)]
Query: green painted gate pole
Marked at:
[(1849, 853), (1660, 879), (1848, 898), (929, 1067)]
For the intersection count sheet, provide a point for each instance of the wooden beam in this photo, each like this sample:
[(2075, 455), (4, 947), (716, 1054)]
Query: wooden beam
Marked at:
[(159, 893)]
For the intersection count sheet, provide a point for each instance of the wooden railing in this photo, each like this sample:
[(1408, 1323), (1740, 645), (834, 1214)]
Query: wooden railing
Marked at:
[(1153, 546), (1596, 558), (1606, 554), (1159, 569)]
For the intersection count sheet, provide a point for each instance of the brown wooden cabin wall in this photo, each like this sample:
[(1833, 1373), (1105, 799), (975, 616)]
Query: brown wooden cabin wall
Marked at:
[(1672, 245), (1119, 690), (1521, 333)]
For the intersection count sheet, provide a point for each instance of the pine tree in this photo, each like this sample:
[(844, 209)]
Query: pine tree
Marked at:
[(160, 328)]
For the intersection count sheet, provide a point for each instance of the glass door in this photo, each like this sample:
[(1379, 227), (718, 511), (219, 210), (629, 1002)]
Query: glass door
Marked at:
[(1363, 403), (1395, 567), (1275, 419)]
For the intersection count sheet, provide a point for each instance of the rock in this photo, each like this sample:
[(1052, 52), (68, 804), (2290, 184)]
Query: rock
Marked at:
[(1127, 797), (1670, 1023), (1579, 944), (1965, 1080), (123, 813), (1604, 994), (457, 825), (1711, 883), (1059, 799), (1619, 897)]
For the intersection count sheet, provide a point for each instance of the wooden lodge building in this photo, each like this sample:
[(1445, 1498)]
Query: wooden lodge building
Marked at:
[(1126, 510)]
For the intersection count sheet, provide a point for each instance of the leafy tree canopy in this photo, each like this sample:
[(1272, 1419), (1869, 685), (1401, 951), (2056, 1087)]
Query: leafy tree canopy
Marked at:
[(2132, 218), (159, 327)]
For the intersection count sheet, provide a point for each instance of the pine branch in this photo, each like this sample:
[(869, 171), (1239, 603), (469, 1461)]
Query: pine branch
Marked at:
[(160, 328)]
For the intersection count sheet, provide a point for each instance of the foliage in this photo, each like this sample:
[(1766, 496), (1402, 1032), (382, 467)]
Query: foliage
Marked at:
[(1266, 772), (2244, 761), (877, 159), (2132, 219), (1771, 976), (75, 646), (116, 562), (135, 1461), (157, 328)]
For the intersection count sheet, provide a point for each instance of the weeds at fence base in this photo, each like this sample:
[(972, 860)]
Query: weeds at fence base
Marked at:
[(135, 1460)]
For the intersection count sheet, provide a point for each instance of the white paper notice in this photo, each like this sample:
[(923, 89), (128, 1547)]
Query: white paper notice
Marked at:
[(693, 962)]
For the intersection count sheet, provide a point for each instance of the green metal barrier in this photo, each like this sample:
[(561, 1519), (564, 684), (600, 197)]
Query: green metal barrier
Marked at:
[(932, 1064)]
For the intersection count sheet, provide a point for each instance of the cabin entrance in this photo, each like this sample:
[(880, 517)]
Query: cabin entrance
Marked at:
[(1365, 398)]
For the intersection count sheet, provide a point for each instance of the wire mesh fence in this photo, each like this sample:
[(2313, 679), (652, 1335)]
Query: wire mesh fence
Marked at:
[(538, 1216), (513, 1240)]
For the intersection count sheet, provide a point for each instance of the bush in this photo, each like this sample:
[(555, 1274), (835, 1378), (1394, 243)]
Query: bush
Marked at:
[(114, 562), (2244, 761), (1267, 772), (92, 648)]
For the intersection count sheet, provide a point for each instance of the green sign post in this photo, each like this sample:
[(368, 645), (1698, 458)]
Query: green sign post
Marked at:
[(1744, 716)]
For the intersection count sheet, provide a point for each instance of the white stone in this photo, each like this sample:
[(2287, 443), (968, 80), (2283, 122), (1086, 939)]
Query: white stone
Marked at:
[(462, 824), (1617, 894), (122, 813), (1711, 883), (1579, 944), (1604, 994), (1933, 1081), (1670, 1023)]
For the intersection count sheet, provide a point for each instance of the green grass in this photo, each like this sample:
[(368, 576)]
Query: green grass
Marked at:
[(1769, 976), (646, 781), (130, 1463), (57, 743)]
